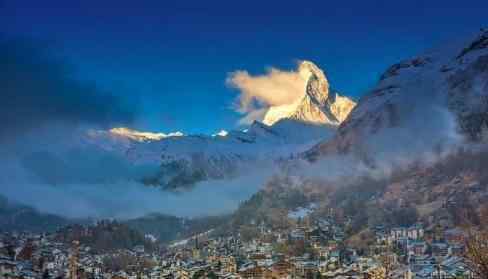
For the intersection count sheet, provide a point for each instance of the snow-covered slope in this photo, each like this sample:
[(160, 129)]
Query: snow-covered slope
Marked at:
[(318, 105), (186, 159), (432, 98), (120, 139)]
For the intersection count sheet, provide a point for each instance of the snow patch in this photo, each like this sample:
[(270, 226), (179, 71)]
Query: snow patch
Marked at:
[(302, 212)]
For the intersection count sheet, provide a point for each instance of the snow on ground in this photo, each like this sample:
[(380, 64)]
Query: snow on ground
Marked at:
[(302, 212), (190, 239)]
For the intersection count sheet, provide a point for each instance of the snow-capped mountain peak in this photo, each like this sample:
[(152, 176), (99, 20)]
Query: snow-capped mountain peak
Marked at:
[(317, 106)]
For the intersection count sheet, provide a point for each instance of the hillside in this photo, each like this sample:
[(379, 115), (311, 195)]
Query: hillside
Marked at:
[(452, 192), (437, 97), (105, 236), (168, 228), (16, 217)]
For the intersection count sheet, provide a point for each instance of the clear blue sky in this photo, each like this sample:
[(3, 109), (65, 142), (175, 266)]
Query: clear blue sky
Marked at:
[(174, 58)]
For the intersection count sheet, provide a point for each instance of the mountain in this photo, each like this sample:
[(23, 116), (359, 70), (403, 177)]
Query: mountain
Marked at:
[(422, 103), (318, 105), (428, 99), (452, 192), (184, 160), (141, 136), (122, 138), (167, 228), (17, 217), (438, 96), (104, 236)]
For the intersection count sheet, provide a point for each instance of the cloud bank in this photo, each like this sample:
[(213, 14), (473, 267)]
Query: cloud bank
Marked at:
[(44, 110), (102, 195), (258, 93), (38, 91)]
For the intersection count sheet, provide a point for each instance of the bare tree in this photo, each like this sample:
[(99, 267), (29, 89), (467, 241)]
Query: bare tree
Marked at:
[(477, 253), (484, 216), (387, 262)]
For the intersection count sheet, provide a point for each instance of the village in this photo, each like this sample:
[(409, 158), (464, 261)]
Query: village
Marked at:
[(308, 250)]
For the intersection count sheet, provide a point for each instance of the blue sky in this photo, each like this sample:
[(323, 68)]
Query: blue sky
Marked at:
[(173, 59)]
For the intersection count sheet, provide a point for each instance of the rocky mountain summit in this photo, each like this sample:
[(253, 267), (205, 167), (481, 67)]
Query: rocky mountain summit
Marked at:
[(319, 105)]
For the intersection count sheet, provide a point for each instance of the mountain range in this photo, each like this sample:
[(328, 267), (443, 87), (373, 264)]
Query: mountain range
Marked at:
[(286, 130), (437, 98), (433, 101)]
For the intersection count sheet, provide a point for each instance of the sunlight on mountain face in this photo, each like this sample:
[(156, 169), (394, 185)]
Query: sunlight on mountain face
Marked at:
[(276, 113), (142, 136)]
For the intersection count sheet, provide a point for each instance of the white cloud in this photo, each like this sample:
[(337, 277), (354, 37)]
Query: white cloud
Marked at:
[(258, 93)]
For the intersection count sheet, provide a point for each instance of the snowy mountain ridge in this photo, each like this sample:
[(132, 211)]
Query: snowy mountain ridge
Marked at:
[(142, 136)]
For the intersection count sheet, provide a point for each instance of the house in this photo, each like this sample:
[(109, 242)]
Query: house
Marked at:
[(417, 247), (440, 249), (305, 269), (253, 271), (397, 233), (281, 268), (415, 232), (454, 236), (7, 266)]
